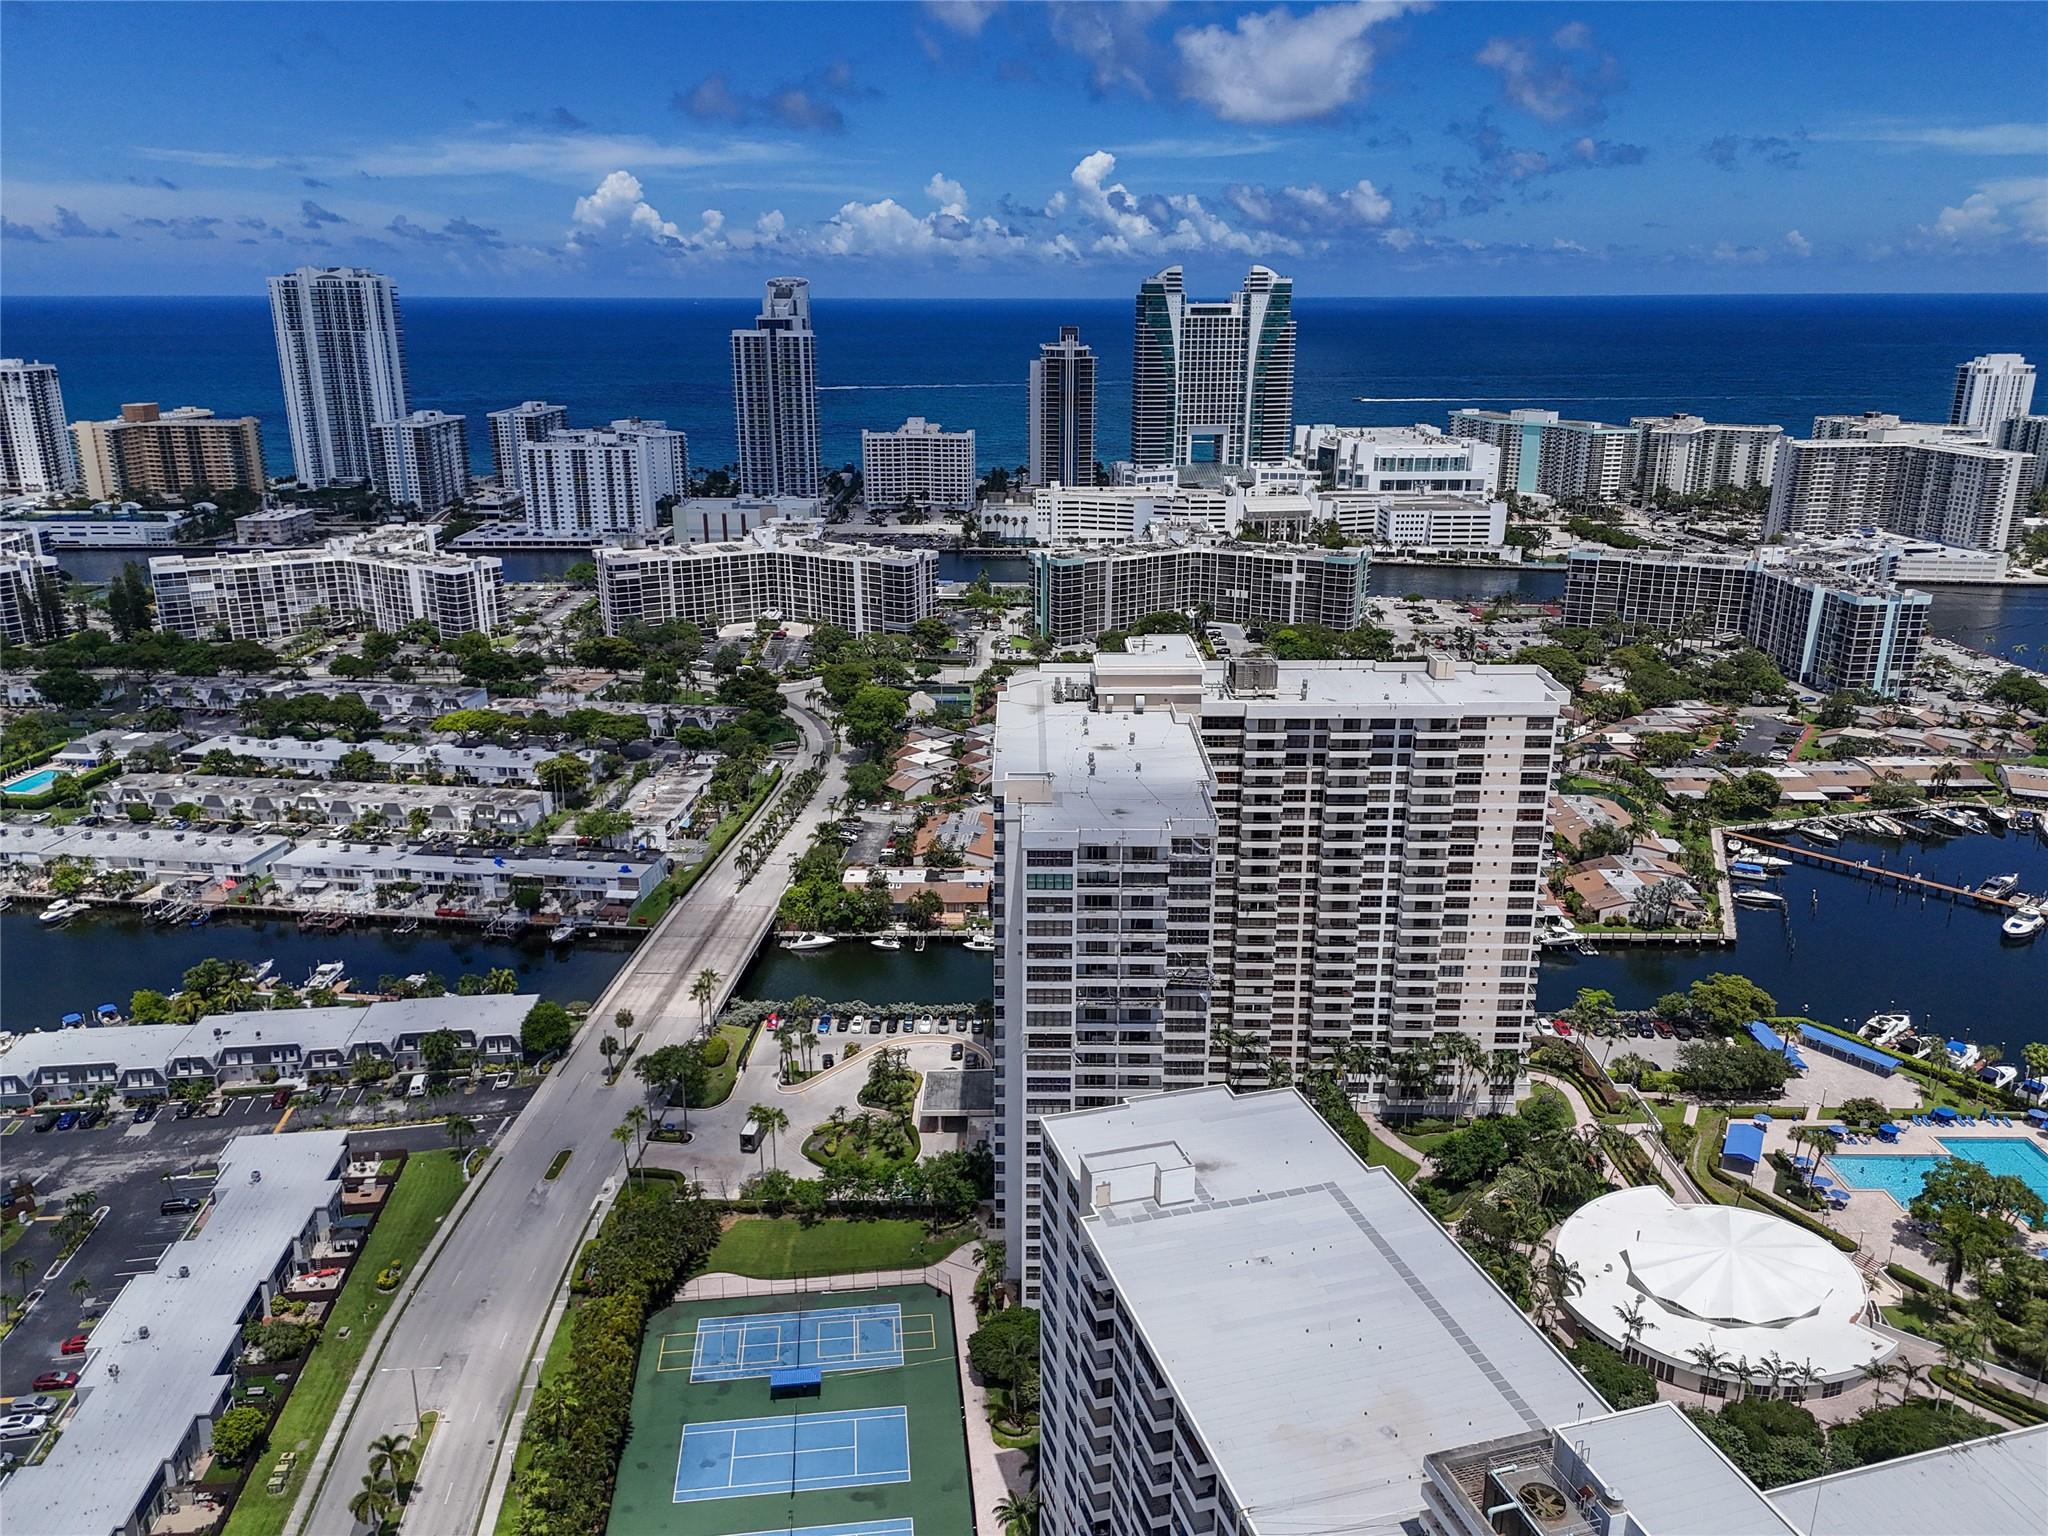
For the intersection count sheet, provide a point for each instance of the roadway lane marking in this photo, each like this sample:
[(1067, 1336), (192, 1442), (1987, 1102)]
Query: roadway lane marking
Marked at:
[(278, 1128)]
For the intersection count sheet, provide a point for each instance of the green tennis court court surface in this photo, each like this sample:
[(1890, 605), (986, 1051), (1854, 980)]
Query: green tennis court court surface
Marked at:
[(875, 1451)]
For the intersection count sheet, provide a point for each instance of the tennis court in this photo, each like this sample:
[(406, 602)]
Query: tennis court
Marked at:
[(800, 1452), (877, 1447), (827, 1338)]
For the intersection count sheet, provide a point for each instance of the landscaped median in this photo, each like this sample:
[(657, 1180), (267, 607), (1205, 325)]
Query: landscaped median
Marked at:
[(424, 1194)]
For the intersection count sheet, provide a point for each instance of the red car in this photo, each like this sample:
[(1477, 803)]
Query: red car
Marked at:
[(75, 1345), (1563, 1028), (56, 1381)]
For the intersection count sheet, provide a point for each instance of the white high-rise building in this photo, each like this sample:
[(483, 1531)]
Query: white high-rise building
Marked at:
[(2028, 435), (382, 580), (341, 355), (1062, 419), (1541, 454), (919, 465), (775, 394), (1990, 391), (1379, 835), (1687, 456), (421, 460), (604, 482), (1077, 593), (36, 455), (31, 606), (1905, 478), (515, 426), (783, 569), (1213, 382)]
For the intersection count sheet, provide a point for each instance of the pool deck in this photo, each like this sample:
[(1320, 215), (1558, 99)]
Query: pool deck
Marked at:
[(1872, 1216)]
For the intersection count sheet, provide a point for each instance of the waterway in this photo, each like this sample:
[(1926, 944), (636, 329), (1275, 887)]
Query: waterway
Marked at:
[(109, 955), (943, 972), (1844, 948)]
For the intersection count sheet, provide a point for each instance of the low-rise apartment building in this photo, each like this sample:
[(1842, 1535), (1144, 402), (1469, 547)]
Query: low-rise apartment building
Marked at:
[(382, 580), (1078, 593), (277, 528), (1417, 459), (780, 569), (1417, 520), (484, 763), (420, 808), (156, 853), (326, 868)]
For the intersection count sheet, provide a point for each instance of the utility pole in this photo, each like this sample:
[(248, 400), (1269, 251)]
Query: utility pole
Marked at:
[(412, 1373)]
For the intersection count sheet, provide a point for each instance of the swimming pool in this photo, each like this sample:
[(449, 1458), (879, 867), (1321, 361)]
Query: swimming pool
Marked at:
[(32, 783), (1900, 1175)]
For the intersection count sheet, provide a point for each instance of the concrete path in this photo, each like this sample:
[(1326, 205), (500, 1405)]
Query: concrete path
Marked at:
[(471, 1320)]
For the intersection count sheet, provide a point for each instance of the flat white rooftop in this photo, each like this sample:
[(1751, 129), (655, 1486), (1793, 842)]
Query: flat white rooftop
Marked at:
[(1097, 771), (131, 1420), (1320, 1331)]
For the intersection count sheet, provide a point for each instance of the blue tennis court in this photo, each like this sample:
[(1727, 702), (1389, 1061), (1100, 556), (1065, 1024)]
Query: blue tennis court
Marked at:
[(793, 1453), (827, 1339)]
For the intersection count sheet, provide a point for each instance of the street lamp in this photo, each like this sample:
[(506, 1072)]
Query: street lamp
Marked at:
[(412, 1371)]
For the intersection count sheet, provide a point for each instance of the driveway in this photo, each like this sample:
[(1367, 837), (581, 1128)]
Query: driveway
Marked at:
[(713, 1156)]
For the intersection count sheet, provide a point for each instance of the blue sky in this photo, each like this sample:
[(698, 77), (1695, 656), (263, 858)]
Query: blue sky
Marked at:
[(1011, 149)]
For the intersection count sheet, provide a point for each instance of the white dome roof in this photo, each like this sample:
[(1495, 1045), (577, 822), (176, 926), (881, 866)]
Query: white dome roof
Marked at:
[(1723, 1265)]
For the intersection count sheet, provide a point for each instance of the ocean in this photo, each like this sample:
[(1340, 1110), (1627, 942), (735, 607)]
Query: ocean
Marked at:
[(1780, 359)]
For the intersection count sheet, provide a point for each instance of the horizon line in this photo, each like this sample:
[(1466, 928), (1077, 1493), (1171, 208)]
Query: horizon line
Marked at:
[(1407, 298)]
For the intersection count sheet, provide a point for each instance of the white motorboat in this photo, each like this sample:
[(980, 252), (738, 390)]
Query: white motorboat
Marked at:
[(2022, 926), (1821, 832), (565, 934), (980, 943), (1999, 886), (806, 941), (262, 972), (1884, 826), (1757, 896), (1963, 1055), (1887, 1028), (1749, 855), (326, 976), (885, 942), (60, 912), (2002, 814)]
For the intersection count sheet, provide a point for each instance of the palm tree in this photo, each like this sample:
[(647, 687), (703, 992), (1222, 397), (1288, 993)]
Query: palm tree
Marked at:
[(991, 1258), (1019, 1514), (1880, 1373), (773, 1122), (1943, 775), (622, 1133), (1911, 1373), (1635, 1322), (375, 1502), (1562, 1280), (461, 1132), (391, 1456), (1708, 1361), (1229, 1042), (636, 1121), (608, 1048), (703, 989), (81, 1287)]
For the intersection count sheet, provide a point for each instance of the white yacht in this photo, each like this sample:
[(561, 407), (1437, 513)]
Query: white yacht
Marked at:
[(1887, 1028), (980, 943), (2024, 925), (1757, 896), (1999, 885), (1821, 832), (326, 975), (262, 973), (807, 940), (58, 913), (1757, 856), (1886, 827), (886, 942)]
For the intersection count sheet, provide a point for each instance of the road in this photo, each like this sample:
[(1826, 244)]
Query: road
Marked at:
[(470, 1323)]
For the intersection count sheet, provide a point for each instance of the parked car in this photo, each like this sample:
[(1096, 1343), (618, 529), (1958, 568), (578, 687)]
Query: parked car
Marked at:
[(1563, 1029), (55, 1381), (144, 1113), (75, 1345), (828, 1061), (839, 1026), (958, 1051), (924, 1026), (183, 1111), (279, 1099), (37, 1404), (178, 1205), (1663, 1030), (91, 1118), (23, 1424), (891, 1026), (67, 1120), (46, 1123)]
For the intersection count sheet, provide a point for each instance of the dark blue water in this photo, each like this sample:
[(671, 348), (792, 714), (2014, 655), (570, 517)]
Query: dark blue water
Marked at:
[(1777, 359), (1845, 948)]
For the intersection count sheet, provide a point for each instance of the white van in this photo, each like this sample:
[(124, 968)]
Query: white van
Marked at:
[(418, 1087)]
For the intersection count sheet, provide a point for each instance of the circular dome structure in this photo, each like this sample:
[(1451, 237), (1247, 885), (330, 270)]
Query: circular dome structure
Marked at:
[(1712, 1282)]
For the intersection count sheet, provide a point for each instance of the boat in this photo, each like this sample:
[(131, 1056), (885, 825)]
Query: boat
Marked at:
[(1962, 1055), (325, 976), (2000, 1076), (1757, 856), (980, 943), (2022, 926), (1884, 826), (1999, 886), (6, 902), (886, 942), (565, 933), (2002, 814), (1885, 1028), (59, 912), (1755, 896), (1742, 869), (2024, 821), (410, 925), (262, 973), (1821, 832), (806, 940)]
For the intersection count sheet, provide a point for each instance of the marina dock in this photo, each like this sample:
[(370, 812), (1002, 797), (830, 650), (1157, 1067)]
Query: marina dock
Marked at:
[(1864, 869)]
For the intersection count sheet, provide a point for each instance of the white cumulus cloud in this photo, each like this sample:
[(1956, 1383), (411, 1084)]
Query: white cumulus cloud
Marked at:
[(1278, 67), (1798, 244)]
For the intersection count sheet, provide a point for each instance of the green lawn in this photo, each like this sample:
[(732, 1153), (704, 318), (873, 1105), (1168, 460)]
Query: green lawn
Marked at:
[(1384, 1156), (718, 1087), (552, 1365), (779, 1248), (423, 1195)]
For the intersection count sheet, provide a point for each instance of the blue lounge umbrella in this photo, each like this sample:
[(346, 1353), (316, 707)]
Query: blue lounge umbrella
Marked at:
[(1763, 1119), (106, 1008), (1944, 1114), (1803, 1162), (74, 1018), (1821, 1181), (2038, 1116)]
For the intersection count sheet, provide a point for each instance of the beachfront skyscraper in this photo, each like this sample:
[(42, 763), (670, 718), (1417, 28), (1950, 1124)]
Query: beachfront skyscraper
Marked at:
[(514, 427), (1213, 382), (35, 448), (1063, 411), (421, 460), (775, 394), (1990, 391), (341, 355)]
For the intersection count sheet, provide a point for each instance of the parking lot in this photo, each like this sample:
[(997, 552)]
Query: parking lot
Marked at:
[(1826, 1080), (132, 1169)]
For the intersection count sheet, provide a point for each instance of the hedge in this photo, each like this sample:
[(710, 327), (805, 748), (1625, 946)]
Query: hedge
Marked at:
[(716, 1049), (1918, 1283), (66, 782), (1990, 1394), (1708, 1147)]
